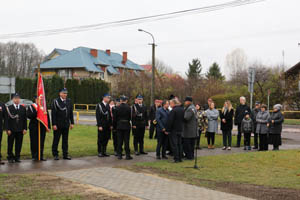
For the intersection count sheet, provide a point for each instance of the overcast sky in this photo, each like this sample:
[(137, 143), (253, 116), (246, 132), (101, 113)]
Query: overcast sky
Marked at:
[(262, 30)]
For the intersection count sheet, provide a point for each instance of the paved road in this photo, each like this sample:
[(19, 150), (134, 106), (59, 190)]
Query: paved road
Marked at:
[(143, 186)]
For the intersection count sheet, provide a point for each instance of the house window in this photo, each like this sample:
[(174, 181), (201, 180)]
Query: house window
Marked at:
[(65, 73), (102, 76)]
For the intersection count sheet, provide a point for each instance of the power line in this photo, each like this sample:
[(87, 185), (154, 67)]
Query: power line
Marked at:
[(126, 22)]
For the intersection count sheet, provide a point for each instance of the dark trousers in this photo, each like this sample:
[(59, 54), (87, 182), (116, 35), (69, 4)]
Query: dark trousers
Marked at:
[(227, 137), (239, 136), (115, 140), (188, 147), (198, 139), (263, 142), (247, 139), (138, 139), (123, 138), (151, 131), (176, 144), (64, 132), (210, 138), (17, 138), (103, 138), (255, 140), (1, 133), (34, 142), (162, 142)]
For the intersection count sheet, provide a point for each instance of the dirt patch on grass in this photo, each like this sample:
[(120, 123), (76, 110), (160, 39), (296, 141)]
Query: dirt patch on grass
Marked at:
[(41, 186), (247, 190)]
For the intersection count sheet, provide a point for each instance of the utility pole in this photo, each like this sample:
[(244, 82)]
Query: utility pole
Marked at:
[(153, 66), (251, 79)]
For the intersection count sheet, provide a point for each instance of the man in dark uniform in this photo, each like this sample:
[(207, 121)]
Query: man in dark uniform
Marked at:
[(16, 126), (62, 120), (139, 123), (33, 132), (114, 130), (2, 118), (122, 118), (104, 124), (152, 119)]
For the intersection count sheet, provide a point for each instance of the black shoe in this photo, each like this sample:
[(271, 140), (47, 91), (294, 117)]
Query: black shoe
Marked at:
[(56, 158), (129, 158), (11, 161), (245, 148), (255, 148), (106, 155), (17, 160), (158, 158), (165, 158), (67, 158), (137, 153), (35, 159), (176, 161), (120, 157), (116, 154), (237, 146), (180, 160), (100, 155), (1, 163), (198, 148), (43, 159), (143, 153)]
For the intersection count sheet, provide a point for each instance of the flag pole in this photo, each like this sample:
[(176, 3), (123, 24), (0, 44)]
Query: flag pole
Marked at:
[(39, 123)]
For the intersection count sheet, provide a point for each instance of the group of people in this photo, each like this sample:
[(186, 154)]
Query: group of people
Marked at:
[(178, 126), (13, 119)]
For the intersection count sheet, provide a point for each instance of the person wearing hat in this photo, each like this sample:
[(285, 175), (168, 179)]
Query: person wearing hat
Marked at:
[(262, 129), (275, 127), (139, 123), (121, 122), (190, 126), (62, 120), (254, 113), (2, 119), (16, 127), (104, 124), (33, 131)]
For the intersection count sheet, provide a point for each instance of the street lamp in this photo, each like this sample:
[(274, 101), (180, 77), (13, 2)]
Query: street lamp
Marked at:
[(153, 65)]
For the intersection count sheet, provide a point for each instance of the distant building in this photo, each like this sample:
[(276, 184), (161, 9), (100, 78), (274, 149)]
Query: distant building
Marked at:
[(81, 63)]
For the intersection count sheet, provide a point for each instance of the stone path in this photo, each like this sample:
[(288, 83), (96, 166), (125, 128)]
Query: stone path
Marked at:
[(143, 186)]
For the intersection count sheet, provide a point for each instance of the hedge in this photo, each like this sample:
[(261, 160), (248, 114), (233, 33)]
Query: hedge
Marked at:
[(88, 91)]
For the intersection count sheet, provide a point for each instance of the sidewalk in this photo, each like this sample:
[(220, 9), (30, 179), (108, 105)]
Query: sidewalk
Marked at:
[(143, 186)]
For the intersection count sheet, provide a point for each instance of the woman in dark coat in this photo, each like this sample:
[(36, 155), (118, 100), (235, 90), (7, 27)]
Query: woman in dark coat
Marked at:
[(226, 116), (275, 127)]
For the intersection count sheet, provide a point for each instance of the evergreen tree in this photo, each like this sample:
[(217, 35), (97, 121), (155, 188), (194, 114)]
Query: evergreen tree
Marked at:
[(215, 72), (194, 71)]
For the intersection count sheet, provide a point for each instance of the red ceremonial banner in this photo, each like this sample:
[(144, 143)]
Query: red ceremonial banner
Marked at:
[(42, 106)]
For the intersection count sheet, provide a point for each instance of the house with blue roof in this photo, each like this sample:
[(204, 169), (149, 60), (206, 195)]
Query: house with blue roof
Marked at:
[(82, 62)]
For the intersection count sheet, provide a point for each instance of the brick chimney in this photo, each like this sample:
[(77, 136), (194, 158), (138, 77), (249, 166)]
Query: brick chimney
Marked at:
[(94, 52), (125, 54), (108, 52)]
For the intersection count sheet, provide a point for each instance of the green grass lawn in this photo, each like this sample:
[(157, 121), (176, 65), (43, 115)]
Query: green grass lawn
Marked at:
[(83, 142), (274, 169), (292, 121)]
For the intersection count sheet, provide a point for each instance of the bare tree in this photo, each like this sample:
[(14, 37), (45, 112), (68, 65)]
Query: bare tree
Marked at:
[(236, 61)]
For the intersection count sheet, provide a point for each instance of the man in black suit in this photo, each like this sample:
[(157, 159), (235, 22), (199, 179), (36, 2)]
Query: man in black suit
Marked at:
[(114, 130), (175, 129), (62, 120), (139, 124), (104, 124), (16, 126), (2, 118), (33, 132), (122, 118)]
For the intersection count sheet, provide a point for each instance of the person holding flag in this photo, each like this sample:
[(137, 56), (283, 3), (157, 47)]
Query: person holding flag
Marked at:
[(37, 132)]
